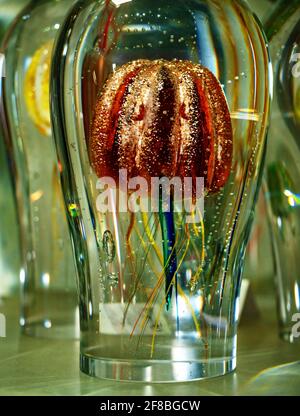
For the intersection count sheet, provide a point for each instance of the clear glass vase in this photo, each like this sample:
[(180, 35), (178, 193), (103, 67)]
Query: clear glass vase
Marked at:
[(144, 92), (9, 233), (47, 275), (282, 168)]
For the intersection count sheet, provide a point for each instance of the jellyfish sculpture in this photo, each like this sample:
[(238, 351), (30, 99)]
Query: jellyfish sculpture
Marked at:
[(163, 119)]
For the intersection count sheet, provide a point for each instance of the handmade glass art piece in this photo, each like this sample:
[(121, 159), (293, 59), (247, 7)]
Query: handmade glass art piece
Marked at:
[(160, 134)]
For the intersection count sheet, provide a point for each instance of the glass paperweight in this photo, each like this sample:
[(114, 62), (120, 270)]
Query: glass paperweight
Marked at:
[(282, 171), (47, 273), (160, 111)]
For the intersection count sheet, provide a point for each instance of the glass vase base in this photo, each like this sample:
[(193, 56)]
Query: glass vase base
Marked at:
[(57, 331), (53, 315), (155, 371)]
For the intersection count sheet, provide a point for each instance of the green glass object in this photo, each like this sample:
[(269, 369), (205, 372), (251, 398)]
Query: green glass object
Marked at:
[(282, 170), (264, 8), (47, 275), (160, 90), (9, 9)]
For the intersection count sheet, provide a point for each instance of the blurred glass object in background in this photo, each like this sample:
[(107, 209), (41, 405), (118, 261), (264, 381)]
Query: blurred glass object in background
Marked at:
[(283, 162), (263, 8), (281, 21), (9, 234), (48, 306), (8, 11)]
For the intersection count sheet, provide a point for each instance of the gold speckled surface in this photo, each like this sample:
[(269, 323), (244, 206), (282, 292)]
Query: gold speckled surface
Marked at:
[(29, 366), (162, 118)]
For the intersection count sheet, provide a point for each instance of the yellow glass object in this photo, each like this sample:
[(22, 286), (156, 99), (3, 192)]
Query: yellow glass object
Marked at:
[(36, 88)]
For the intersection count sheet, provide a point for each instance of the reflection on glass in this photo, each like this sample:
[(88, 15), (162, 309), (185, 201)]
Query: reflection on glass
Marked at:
[(282, 380)]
